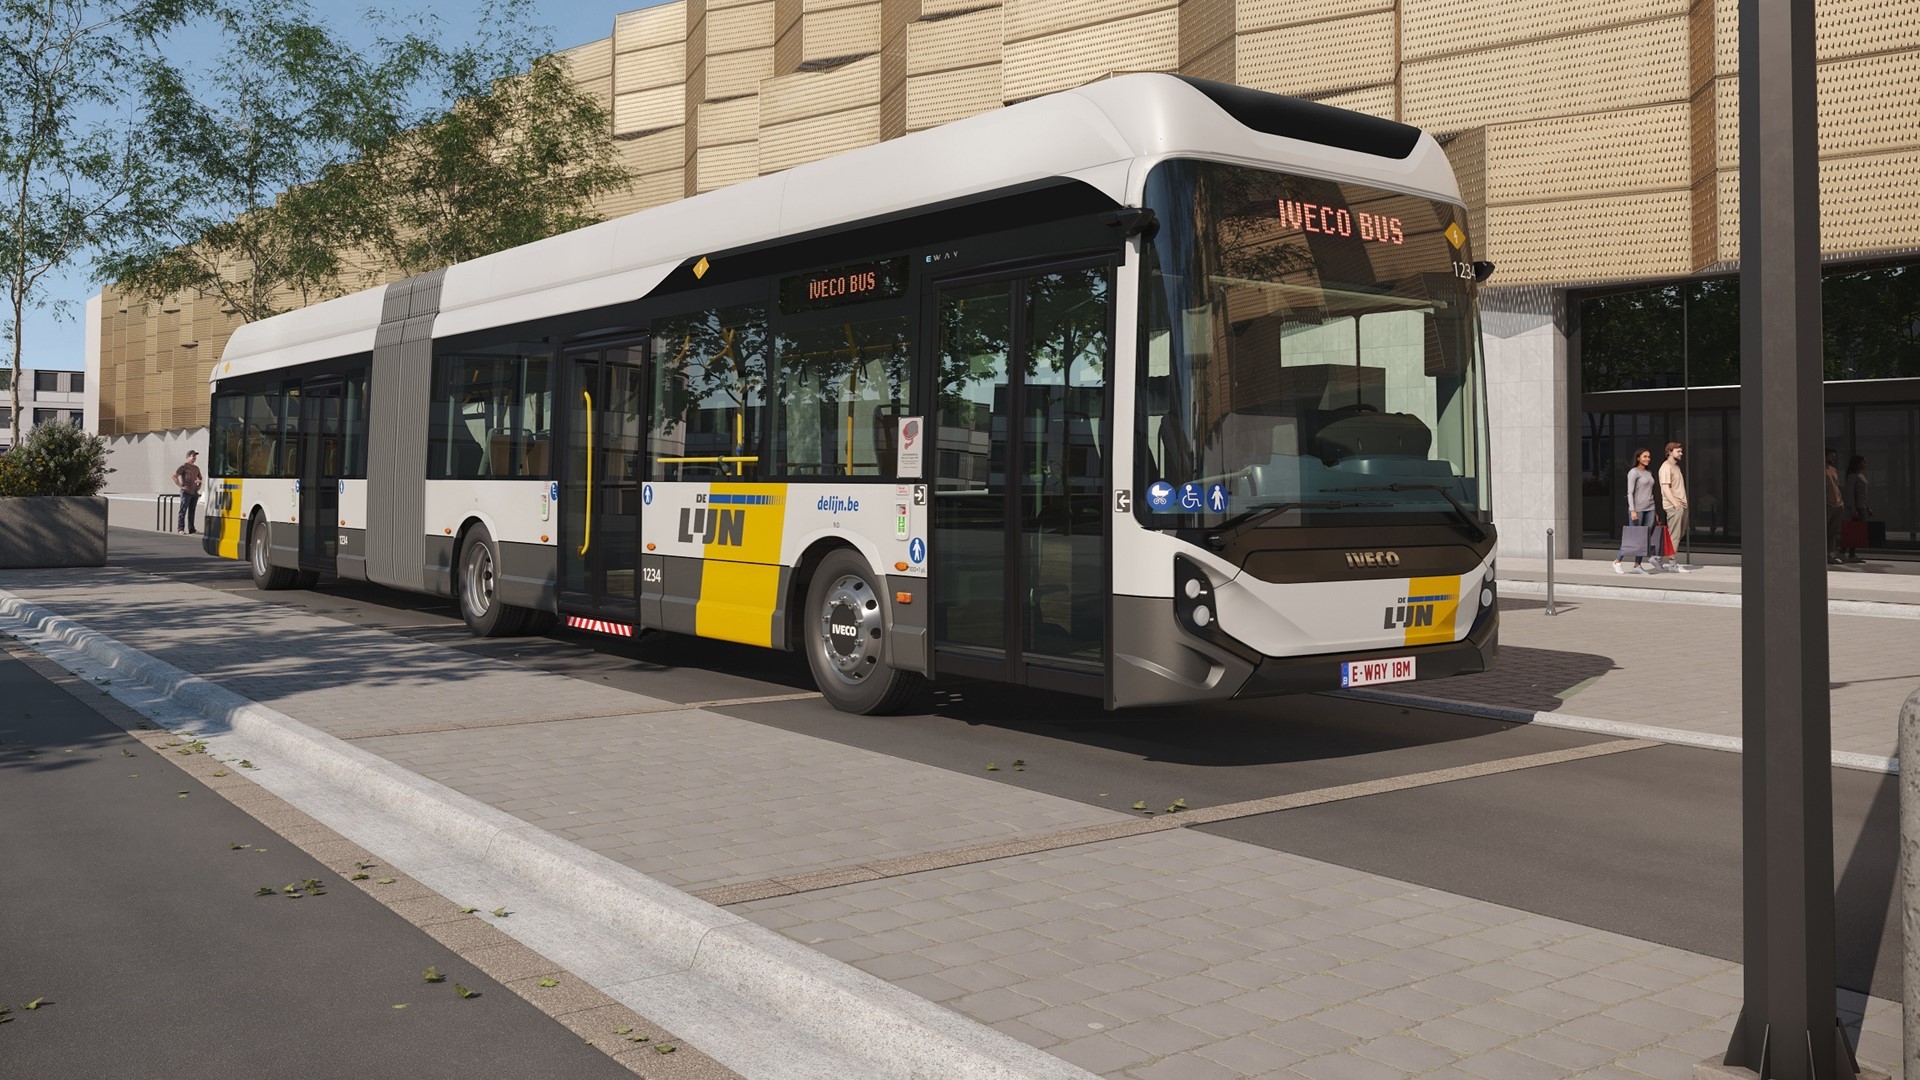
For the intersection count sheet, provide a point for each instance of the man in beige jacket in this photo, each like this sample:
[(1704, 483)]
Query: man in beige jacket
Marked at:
[(1673, 498)]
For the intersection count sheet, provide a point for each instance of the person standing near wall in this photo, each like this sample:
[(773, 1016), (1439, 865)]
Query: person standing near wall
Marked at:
[(188, 479), (1673, 497), (1857, 508), (1836, 506)]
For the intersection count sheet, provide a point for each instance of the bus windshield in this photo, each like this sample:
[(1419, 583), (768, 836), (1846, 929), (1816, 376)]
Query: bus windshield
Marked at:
[(1310, 353)]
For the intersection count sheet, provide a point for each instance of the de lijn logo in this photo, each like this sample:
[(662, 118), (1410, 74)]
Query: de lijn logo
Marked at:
[(1413, 611), (713, 526)]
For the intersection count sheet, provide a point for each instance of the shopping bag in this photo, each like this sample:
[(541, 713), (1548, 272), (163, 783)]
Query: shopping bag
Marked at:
[(1853, 534), (1666, 542), (1636, 540)]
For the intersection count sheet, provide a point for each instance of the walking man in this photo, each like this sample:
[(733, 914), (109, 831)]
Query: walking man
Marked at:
[(1836, 506), (188, 479), (1673, 496)]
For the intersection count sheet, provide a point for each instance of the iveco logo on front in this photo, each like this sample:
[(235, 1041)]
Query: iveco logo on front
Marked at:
[(1372, 559)]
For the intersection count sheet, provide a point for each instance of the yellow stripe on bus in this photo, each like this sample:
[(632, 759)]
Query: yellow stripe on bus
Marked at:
[(1437, 599), (737, 601), (231, 502)]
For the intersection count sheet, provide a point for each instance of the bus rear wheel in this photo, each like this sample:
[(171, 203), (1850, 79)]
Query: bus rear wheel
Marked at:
[(476, 585), (266, 576), (845, 639)]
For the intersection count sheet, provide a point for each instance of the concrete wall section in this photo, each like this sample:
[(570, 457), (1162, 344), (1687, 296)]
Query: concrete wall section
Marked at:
[(1524, 334), (144, 464)]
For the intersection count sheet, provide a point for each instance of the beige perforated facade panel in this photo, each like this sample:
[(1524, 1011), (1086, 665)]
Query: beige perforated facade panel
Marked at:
[(737, 73), (1583, 156), (651, 67), (718, 166), (1027, 19), (1867, 203), (1204, 25), (783, 146), (724, 122), (748, 26), (933, 9), (1267, 14), (961, 41), (1441, 27), (817, 93), (1615, 238), (830, 35), (1618, 68), (1039, 65), (1217, 63), (650, 27), (591, 68), (1868, 104), (1467, 152), (649, 110), (1341, 55), (1854, 27), (946, 96)]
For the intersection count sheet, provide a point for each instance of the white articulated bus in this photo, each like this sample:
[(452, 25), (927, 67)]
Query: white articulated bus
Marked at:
[(1157, 390)]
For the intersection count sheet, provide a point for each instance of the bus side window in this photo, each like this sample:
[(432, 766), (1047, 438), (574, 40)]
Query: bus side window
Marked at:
[(709, 384)]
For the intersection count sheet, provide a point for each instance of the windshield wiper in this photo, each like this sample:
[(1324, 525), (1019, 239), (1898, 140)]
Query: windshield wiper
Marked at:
[(1254, 517), (1459, 508)]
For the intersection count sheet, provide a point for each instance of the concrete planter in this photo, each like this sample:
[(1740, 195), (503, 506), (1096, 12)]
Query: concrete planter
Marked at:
[(53, 530)]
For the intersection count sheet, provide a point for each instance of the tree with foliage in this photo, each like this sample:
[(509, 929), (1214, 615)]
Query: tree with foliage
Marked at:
[(55, 459), (247, 151), (516, 158), (70, 175)]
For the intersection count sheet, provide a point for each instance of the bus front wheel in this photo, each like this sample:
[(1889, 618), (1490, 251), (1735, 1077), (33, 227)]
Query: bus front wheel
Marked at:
[(845, 632)]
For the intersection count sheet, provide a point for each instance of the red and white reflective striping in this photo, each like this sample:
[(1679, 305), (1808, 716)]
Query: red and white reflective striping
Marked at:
[(600, 626)]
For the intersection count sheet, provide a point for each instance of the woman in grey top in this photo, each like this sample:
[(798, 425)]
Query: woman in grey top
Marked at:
[(1640, 488)]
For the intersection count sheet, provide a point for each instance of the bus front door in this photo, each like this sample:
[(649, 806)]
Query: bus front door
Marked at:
[(321, 465), (600, 493), (1020, 551)]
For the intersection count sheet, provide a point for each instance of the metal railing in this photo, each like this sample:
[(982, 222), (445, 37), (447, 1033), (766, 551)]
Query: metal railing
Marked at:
[(1550, 608), (166, 513)]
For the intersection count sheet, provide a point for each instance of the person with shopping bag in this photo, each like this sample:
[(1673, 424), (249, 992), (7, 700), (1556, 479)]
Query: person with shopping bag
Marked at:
[(1673, 499), (1636, 535)]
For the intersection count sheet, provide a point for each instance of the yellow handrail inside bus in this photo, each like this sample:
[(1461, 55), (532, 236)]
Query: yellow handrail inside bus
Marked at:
[(586, 530)]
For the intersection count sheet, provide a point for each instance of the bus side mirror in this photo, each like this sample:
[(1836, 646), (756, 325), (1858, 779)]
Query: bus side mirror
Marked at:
[(1482, 271)]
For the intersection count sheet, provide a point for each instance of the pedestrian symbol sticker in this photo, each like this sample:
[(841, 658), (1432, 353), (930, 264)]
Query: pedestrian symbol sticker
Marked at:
[(646, 494), (1159, 496), (917, 550), (1217, 498), (1191, 499)]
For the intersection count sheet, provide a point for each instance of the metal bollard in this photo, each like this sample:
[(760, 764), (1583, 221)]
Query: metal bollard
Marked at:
[(1550, 609)]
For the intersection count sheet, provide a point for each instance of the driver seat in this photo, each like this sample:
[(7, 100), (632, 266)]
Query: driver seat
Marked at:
[(1362, 432)]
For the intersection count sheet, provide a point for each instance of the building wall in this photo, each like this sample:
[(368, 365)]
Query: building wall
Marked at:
[(66, 403), (1596, 140)]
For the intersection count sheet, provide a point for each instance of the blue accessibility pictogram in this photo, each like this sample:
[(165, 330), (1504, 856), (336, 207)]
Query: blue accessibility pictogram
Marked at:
[(343, 487), (1160, 496), (646, 494), (1217, 498), (553, 491), (1191, 498), (917, 550)]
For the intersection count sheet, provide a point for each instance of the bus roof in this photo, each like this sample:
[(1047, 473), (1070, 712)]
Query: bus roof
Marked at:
[(1103, 134)]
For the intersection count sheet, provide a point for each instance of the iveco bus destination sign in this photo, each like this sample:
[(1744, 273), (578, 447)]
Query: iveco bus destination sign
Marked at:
[(1338, 221), (843, 285)]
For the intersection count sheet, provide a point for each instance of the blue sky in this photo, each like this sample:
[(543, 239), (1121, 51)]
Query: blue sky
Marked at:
[(58, 339)]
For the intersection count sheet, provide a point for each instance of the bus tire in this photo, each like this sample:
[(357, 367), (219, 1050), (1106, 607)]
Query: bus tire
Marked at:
[(266, 576), (474, 586), (539, 622), (843, 628)]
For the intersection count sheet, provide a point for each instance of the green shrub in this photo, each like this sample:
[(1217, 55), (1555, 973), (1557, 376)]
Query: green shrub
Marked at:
[(55, 459)]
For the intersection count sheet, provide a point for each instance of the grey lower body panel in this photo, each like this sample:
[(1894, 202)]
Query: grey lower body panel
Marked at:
[(526, 576), (350, 556), (907, 634), (436, 572)]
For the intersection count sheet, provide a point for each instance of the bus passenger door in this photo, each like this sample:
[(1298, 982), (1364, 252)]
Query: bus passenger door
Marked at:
[(1020, 552), (600, 493), (321, 465)]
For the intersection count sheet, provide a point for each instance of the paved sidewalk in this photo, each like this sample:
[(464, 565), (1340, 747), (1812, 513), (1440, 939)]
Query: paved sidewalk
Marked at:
[(1645, 661), (1136, 950), (1871, 582)]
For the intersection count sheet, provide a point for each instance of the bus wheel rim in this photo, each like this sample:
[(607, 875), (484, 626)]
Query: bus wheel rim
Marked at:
[(479, 580), (259, 547), (850, 629)]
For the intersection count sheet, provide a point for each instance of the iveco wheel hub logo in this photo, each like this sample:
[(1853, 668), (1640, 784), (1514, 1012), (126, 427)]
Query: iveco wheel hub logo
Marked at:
[(1372, 559), (843, 629)]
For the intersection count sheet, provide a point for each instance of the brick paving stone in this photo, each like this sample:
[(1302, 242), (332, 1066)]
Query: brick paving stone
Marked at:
[(1184, 1067), (1248, 1055), (1344, 1067), (1504, 1064), (1407, 1054)]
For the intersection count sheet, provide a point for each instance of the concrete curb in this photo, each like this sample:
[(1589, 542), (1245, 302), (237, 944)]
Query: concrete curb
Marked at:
[(864, 1017), (1524, 587), (1842, 759)]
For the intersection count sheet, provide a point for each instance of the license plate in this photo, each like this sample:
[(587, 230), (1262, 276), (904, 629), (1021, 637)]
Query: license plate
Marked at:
[(1373, 672)]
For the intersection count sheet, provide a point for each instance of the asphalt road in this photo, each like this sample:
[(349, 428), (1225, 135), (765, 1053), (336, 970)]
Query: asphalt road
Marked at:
[(1645, 843), (135, 924)]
